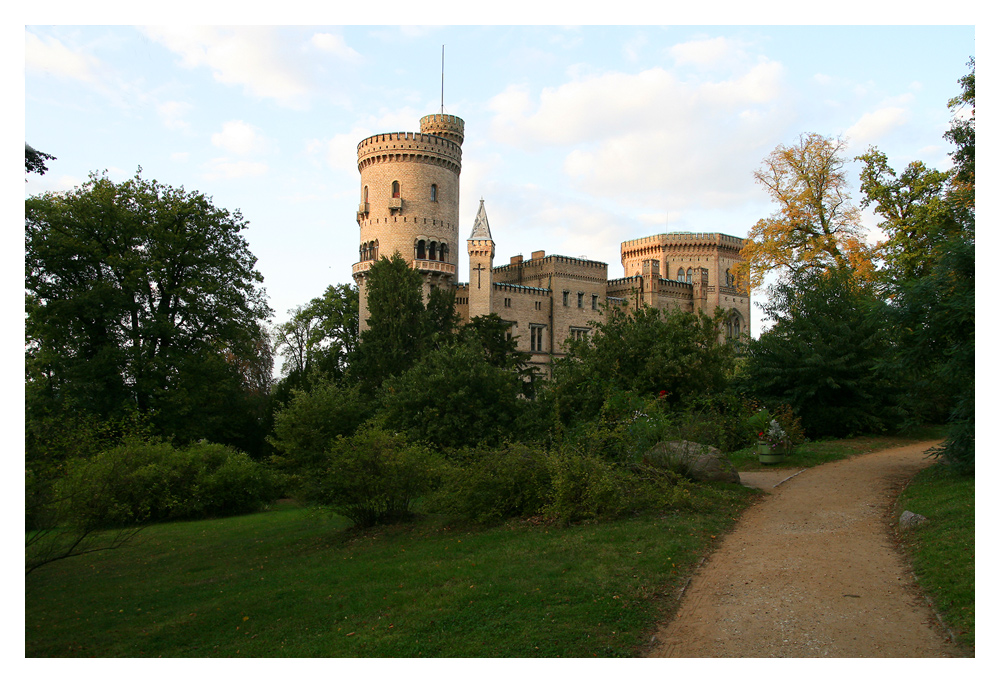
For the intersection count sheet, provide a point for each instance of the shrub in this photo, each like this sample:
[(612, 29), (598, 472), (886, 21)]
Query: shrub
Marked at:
[(150, 481), (374, 476), (231, 482), (304, 429), (587, 487), (494, 484)]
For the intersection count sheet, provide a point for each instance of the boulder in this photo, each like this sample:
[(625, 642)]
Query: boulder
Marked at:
[(909, 520), (694, 460)]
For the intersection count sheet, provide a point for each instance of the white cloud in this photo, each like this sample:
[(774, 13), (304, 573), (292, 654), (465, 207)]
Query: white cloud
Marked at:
[(251, 56), (709, 52), (335, 45), (223, 168), (633, 46), (340, 152), (180, 157), (874, 125), (51, 56), (172, 114), (660, 142), (240, 138)]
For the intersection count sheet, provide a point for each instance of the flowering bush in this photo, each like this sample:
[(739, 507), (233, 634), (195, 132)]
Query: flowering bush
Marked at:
[(775, 436)]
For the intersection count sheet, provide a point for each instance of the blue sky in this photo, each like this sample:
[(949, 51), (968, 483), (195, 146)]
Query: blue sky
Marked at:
[(577, 138)]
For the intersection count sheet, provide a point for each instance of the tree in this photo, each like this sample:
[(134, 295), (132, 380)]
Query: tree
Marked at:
[(828, 355), (34, 160), (917, 216), (401, 328), (645, 351), (322, 334), (930, 221), (816, 226), (454, 396), (141, 297)]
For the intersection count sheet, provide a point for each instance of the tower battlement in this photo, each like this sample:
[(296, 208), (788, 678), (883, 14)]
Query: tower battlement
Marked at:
[(445, 126)]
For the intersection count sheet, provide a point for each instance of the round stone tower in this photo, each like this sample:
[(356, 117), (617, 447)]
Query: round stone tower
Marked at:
[(409, 201)]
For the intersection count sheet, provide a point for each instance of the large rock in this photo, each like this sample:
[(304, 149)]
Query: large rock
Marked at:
[(910, 520), (694, 460)]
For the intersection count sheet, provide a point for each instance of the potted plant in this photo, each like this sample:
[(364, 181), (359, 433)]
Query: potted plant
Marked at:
[(772, 444)]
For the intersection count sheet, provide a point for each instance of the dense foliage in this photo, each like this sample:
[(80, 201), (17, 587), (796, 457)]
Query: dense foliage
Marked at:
[(138, 482), (143, 298), (828, 356)]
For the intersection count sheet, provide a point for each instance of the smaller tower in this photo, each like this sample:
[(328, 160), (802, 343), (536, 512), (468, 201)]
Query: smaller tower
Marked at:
[(481, 250)]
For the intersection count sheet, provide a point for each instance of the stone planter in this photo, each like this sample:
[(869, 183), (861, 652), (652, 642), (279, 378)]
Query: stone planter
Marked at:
[(770, 455)]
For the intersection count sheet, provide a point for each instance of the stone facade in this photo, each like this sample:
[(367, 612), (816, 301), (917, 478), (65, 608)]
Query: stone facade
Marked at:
[(409, 204)]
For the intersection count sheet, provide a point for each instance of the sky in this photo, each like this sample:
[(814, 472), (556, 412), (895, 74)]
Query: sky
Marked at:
[(577, 137)]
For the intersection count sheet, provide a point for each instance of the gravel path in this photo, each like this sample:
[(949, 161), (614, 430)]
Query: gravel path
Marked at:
[(811, 571)]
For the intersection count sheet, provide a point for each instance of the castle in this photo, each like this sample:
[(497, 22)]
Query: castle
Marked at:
[(409, 205)]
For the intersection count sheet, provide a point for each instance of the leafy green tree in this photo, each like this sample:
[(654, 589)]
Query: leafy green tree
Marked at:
[(34, 160), (454, 396), (311, 420), (141, 297), (828, 355), (917, 216), (401, 328), (675, 354), (323, 334), (929, 218)]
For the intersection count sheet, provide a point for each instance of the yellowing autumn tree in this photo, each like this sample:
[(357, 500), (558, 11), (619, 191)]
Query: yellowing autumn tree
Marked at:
[(816, 225)]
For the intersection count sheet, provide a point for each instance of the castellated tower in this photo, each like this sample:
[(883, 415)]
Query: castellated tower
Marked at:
[(409, 201)]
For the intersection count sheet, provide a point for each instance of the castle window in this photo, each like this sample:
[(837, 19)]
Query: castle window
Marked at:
[(593, 301), (537, 337), (690, 280), (442, 251), (395, 189), (421, 250), (565, 298), (434, 193), (506, 303), (680, 275), (579, 333), (538, 305), (374, 251), (432, 254), (579, 299)]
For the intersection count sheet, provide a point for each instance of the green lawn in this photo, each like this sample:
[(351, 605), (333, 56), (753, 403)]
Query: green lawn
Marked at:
[(943, 550), (292, 583)]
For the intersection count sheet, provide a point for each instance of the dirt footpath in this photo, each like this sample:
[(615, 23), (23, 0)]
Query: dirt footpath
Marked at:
[(811, 571)]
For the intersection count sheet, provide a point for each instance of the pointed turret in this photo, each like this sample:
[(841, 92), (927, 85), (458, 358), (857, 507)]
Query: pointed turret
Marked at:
[(481, 226), (481, 249)]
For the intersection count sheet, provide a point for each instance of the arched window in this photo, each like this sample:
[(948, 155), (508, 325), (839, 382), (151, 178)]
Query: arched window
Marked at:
[(690, 280), (421, 250), (395, 189), (442, 251), (361, 253), (364, 195), (432, 252), (374, 252), (680, 275), (434, 193)]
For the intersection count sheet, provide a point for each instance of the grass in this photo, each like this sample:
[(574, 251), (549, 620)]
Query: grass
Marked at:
[(943, 549), (814, 453), (293, 583)]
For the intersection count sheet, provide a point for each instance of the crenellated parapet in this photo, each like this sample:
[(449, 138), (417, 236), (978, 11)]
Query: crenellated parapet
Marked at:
[(445, 126), (410, 147)]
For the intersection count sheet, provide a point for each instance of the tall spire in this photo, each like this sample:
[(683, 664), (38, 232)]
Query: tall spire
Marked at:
[(481, 226)]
